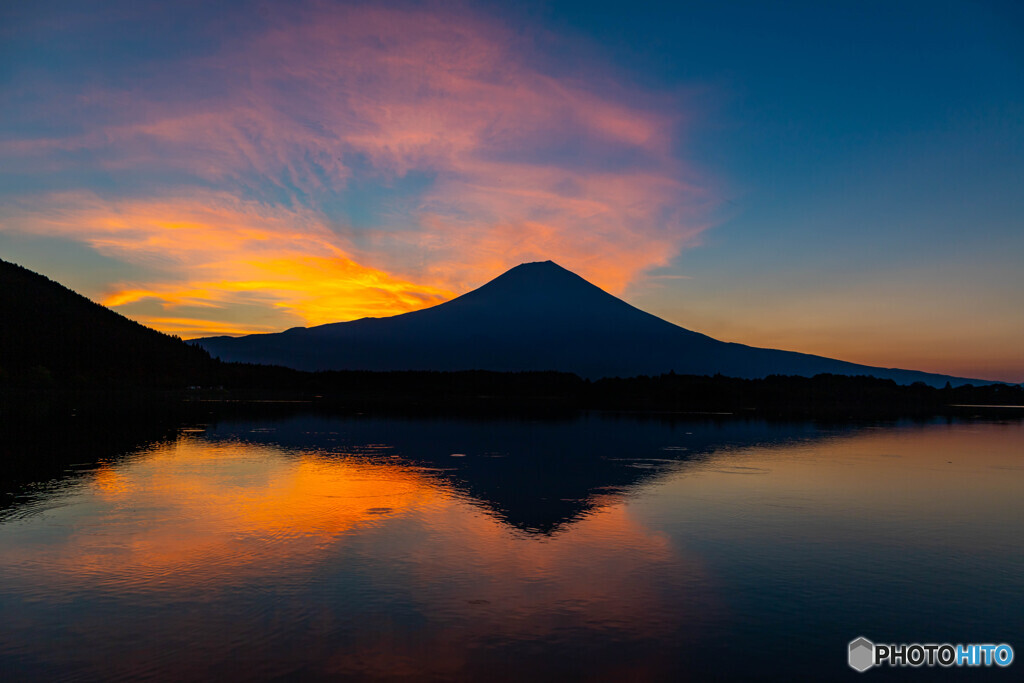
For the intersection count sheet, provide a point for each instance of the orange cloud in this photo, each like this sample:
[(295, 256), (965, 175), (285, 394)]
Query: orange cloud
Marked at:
[(193, 328), (220, 252), (522, 166)]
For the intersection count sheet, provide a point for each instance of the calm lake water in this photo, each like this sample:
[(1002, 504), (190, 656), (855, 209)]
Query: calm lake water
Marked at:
[(587, 548)]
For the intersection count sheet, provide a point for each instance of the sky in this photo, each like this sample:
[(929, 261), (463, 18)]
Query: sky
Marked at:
[(842, 178)]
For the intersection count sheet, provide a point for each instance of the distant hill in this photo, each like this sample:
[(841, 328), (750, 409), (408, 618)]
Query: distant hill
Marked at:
[(50, 335), (535, 317)]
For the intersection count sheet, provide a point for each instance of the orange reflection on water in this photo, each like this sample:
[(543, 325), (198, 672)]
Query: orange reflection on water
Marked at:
[(192, 512), (219, 526), (285, 562), (195, 512)]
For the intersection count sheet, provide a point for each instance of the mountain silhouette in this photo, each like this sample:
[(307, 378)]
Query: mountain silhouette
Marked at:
[(536, 316), (51, 335), (539, 475)]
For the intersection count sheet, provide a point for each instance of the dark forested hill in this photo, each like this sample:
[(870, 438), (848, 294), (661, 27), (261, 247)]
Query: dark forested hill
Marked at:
[(50, 335)]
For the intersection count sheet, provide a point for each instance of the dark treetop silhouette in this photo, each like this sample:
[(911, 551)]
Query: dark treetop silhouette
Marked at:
[(536, 316)]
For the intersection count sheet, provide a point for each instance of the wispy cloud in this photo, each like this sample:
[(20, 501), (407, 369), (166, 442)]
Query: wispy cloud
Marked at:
[(219, 252), (243, 154)]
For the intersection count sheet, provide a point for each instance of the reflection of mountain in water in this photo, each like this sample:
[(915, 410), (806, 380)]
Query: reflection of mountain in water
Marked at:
[(535, 475)]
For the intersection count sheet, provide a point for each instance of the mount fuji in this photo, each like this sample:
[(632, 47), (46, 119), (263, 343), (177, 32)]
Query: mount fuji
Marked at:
[(536, 316)]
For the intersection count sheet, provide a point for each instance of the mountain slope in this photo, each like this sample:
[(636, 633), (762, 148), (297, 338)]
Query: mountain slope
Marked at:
[(50, 335), (536, 316)]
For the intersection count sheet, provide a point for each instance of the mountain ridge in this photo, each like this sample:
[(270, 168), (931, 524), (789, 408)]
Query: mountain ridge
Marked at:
[(51, 334), (536, 316)]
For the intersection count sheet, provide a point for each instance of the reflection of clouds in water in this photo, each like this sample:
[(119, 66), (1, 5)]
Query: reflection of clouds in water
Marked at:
[(192, 512), (300, 564), (197, 512), (381, 568)]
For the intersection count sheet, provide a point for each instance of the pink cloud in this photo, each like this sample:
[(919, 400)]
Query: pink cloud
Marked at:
[(524, 165)]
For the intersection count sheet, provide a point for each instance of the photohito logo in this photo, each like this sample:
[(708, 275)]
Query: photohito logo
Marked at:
[(863, 654)]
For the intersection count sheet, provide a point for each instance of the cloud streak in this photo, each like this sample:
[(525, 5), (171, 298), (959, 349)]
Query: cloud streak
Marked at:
[(240, 163), (219, 252)]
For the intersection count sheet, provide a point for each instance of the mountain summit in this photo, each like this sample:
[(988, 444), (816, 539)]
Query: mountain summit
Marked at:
[(536, 316)]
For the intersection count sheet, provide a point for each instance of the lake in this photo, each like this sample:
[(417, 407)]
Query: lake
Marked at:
[(583, 547)]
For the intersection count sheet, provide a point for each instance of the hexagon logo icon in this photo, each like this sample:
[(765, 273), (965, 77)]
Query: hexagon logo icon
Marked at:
[(862, 654)]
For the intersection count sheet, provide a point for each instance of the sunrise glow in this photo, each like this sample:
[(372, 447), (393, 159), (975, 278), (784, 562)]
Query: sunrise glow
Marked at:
[(316, 162)]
